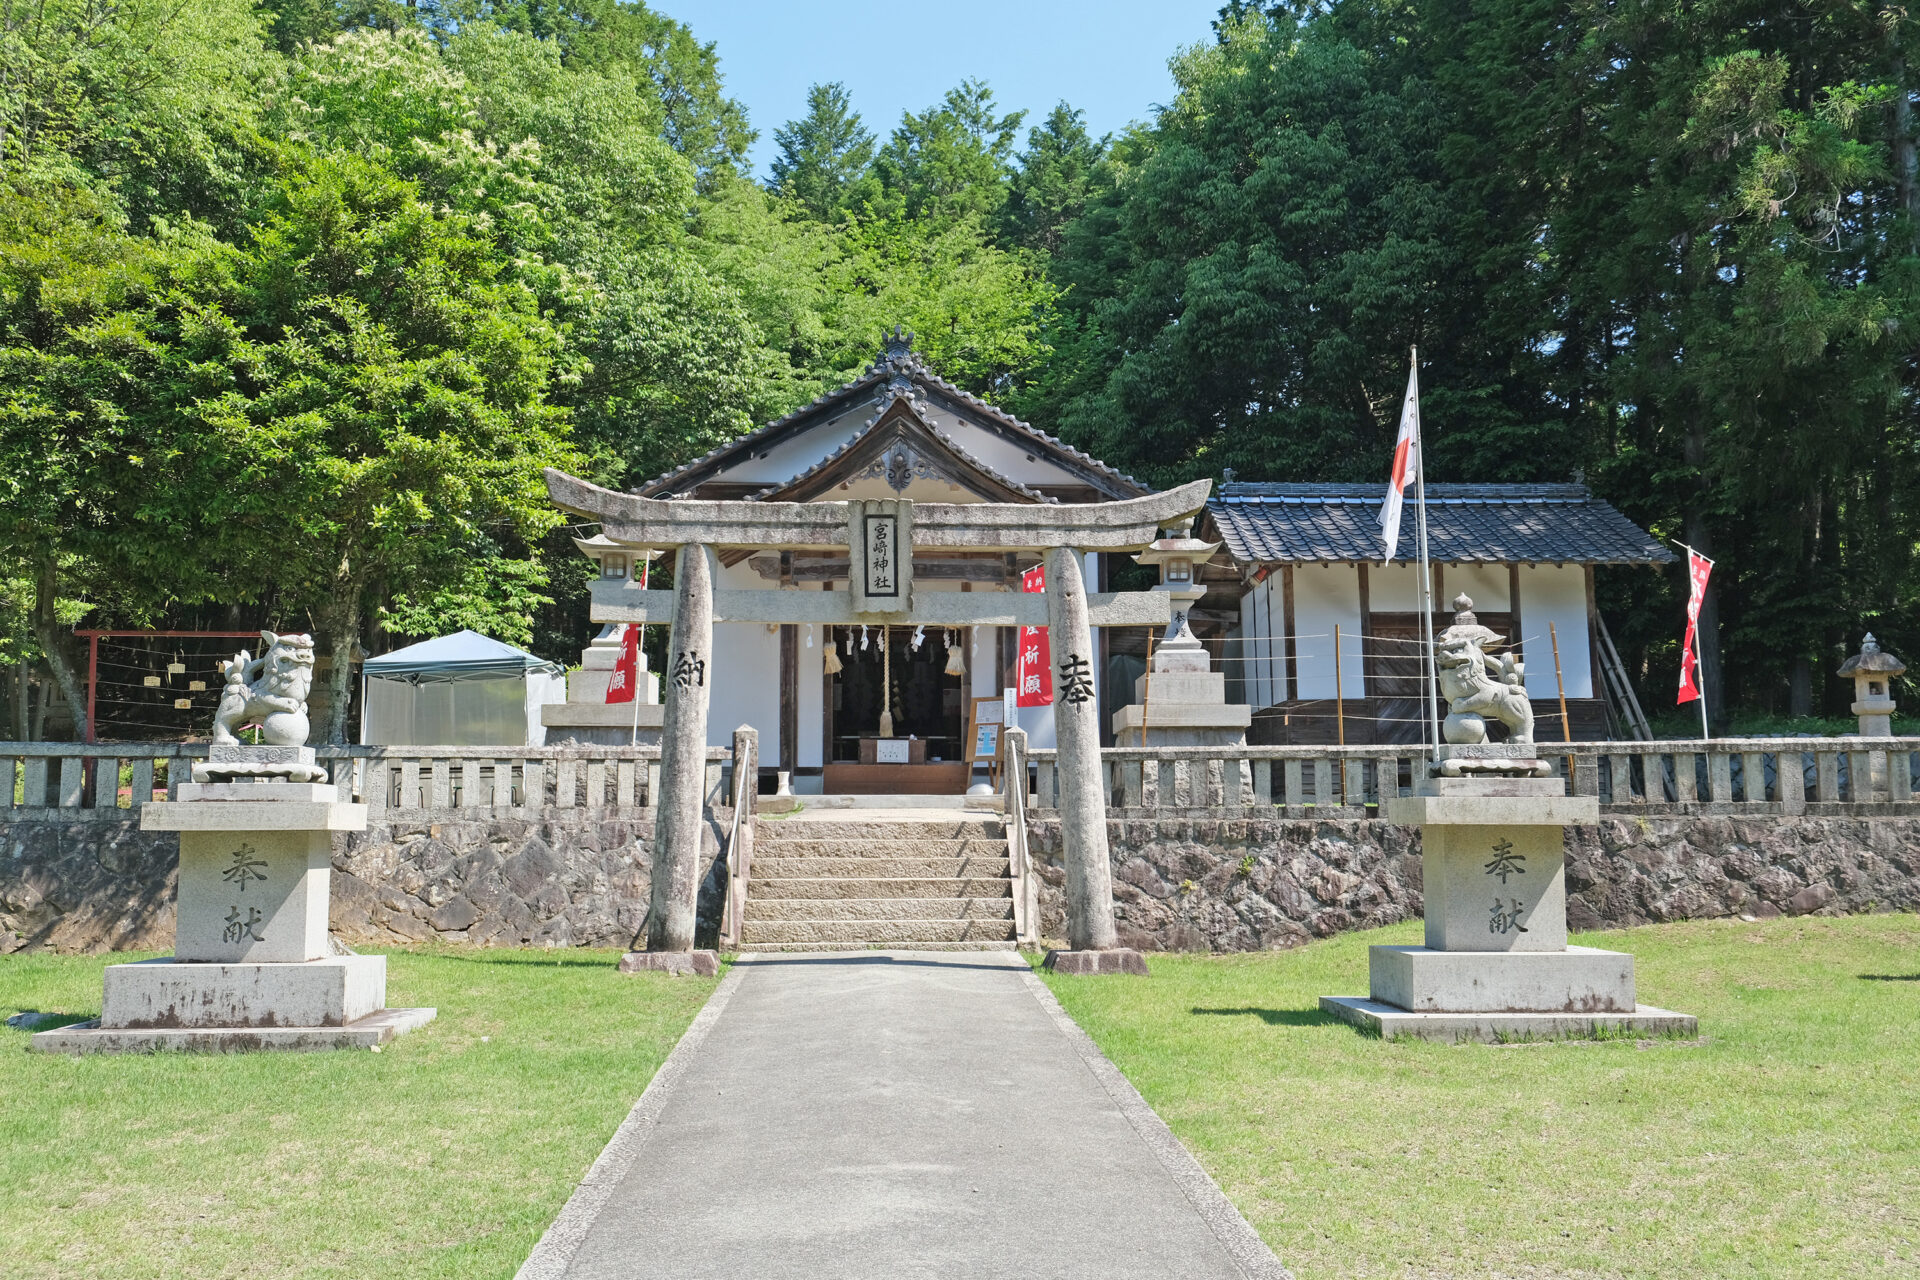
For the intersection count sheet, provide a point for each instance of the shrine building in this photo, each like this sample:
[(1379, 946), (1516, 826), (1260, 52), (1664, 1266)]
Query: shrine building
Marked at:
[(1290, 567)]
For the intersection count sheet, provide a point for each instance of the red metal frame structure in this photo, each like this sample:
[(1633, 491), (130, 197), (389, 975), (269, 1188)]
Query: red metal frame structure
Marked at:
[(93, 653)]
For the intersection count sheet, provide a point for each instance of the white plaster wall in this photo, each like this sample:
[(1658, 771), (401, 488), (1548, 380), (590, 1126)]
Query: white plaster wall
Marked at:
[(1485, 584), (983, 663), (797, 453), (1392, 588), (1555, 594), (812, 677), (1242, 670), (1263, 618), (1324, 595), (1013, 460), (744, 681), (1272, 646)]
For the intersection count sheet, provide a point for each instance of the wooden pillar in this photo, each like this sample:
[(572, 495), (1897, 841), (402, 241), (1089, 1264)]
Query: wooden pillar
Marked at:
[(789, 697)]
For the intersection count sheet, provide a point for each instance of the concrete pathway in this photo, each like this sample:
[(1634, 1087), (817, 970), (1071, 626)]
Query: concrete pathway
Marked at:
[(893, 1115)]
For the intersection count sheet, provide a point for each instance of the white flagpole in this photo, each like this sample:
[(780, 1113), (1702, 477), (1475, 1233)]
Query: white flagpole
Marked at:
[(1430, 730), (633, 734)]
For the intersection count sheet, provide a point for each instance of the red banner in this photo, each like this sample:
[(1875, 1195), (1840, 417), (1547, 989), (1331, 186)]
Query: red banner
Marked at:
[(1698, 569), (1032, 683), (624, 683)]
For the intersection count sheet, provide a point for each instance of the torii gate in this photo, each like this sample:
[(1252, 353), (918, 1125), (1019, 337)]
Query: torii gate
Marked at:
[(880, 537)]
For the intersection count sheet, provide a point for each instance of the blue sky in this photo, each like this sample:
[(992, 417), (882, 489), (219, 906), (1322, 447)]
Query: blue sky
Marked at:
[(1109, 59)]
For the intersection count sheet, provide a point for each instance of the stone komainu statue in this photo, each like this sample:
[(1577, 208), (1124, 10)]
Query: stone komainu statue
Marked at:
[(1476, 686), (270, 690)]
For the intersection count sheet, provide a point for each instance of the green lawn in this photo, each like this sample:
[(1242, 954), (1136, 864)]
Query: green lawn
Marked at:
[(1785, 1142), (445, 1154)]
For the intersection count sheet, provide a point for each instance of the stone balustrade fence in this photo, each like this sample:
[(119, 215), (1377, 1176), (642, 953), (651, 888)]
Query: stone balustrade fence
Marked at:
[(109, 782), (1726, 776), (106, 782)]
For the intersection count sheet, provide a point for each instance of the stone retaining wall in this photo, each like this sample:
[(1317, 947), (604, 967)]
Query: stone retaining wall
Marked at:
[(1248, 884), (1236, 884), (568, 881)]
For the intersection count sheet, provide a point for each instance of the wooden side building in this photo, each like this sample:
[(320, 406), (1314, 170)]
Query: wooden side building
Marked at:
[(1320, 636)]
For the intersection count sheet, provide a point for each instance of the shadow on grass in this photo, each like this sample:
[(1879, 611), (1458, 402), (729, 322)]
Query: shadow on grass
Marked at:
[(541, 959), (31, 1020), (1890, 977), (1277, 1017)]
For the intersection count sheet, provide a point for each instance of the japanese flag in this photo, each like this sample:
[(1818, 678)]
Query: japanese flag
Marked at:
[(1406, 464)]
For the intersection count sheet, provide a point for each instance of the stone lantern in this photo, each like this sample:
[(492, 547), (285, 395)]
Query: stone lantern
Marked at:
[(1181, 701), (1872, 672), (586, 715)]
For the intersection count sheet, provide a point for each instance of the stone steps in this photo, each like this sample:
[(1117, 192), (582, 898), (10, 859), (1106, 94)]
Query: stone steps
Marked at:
[(905, 847), (778, 868), (940, 828), (878, 908), (869, 878), (1007, 945), (875, 933), (822, 887)]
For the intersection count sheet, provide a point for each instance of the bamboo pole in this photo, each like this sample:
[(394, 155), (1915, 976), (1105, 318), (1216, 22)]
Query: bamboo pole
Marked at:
[(1146, 702), (1339, 694), (1566, 724)]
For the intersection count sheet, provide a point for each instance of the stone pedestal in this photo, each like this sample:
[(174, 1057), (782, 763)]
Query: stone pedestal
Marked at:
[(253, 967), (1087, 963), (1174, 708), (587, 716), (1181, 701), (681, 964), (1496, 964)]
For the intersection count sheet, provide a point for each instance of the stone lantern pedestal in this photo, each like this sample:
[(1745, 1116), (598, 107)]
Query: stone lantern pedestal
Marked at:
[(1496, 964), (586, 716), (253, 966), (1181, 701)]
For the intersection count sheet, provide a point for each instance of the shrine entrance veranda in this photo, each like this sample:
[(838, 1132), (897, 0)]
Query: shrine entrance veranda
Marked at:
[(879, 537)]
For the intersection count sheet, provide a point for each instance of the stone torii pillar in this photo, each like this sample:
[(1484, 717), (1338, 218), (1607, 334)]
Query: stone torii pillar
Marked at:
[(1094, 946), (679, 817)]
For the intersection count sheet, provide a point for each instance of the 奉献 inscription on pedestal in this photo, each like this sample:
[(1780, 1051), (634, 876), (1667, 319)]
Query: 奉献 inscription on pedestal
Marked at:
[(253, 967), (1496, 963)]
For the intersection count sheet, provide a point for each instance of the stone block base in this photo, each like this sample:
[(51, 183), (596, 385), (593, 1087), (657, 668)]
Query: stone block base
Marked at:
[(363, 1033), (1389, 1022), (1118, 960), (702, 964), (170, 993), (1577, 980)]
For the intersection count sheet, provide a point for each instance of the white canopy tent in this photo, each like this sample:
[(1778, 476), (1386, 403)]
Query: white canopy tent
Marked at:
[(458, 690)]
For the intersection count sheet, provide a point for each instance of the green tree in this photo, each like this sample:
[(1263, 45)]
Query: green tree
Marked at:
[(1054, 177), (1691, 218), (80, 386), (625, 38), (952, 160), (823, 155), (151, 102), (366, 395), (1259, 264)]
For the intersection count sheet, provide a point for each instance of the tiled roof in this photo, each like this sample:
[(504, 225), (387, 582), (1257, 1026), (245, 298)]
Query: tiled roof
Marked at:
[(867, 428), (1494, 523), (897, 360)]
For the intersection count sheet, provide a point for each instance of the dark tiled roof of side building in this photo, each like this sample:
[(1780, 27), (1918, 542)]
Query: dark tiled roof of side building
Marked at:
[(1493, 523)]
